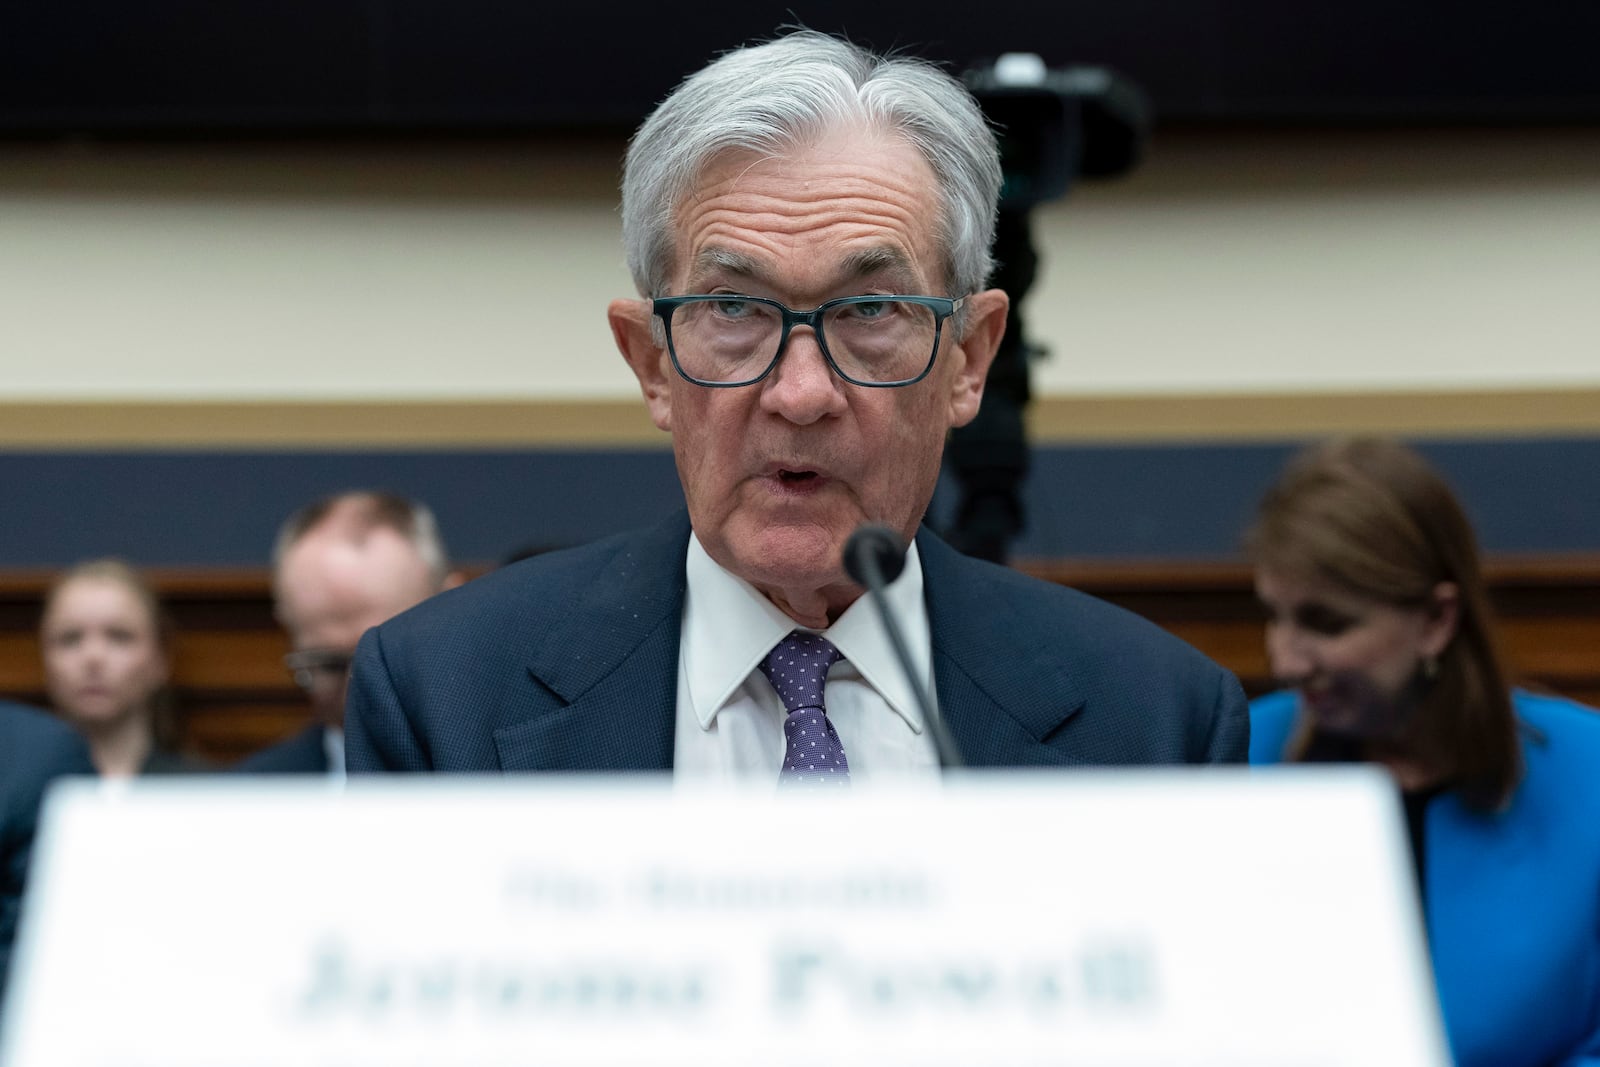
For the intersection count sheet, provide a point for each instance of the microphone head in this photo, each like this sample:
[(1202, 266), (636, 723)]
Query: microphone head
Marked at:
[(879, 545)]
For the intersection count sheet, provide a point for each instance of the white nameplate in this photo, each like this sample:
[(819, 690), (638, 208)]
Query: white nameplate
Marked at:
[(1136, 917)]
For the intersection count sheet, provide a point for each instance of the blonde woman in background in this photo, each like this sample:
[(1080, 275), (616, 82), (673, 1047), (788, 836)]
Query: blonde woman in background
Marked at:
[(105, 639)]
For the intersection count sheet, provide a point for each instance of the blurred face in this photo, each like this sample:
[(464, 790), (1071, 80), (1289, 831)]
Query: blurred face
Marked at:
[(778, 474), (331, 590), (1354, 660), (103, 660)]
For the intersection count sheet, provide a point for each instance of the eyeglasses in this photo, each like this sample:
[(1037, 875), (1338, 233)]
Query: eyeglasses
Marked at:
[(318, 668), (721, 341)]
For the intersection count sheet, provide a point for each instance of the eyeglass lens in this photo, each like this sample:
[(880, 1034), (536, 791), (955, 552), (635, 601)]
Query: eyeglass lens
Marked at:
[(735, 339)]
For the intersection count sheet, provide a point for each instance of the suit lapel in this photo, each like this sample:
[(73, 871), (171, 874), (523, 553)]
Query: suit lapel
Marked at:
[(1002, 689), (602, 686), (603, 681)]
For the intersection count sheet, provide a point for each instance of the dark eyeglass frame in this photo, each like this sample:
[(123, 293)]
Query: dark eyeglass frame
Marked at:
[(307, 664), (942, 306)]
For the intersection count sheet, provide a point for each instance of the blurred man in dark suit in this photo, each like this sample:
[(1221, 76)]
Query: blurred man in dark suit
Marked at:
[(808, 226), (35, 749), (340, 565)]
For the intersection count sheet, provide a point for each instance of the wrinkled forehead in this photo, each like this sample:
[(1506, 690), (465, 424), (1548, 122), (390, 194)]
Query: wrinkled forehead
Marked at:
[(870, 179), (888, 264)]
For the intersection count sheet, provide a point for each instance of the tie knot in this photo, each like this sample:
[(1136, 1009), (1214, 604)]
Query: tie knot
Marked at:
[(798, 667)]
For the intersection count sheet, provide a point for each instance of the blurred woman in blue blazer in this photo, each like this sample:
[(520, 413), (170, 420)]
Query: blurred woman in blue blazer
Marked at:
[(1379, 623)]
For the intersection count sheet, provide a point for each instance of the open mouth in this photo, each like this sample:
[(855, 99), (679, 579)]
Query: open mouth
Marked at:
[(795, 476)]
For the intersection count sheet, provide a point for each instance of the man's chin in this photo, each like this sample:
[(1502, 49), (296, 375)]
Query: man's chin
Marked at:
[(803, 557)]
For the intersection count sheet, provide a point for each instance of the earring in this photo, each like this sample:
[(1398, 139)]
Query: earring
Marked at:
[(1430, 668)]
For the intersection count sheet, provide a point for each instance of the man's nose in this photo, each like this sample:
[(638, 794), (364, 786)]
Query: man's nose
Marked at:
[(802, 387)]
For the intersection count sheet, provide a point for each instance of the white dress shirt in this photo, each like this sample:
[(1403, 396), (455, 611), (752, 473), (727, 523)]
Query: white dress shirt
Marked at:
[(333, 745), (729, 718)]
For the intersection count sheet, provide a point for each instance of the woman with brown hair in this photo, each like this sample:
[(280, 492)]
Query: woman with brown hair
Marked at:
[(1379, 623), (105, 640)]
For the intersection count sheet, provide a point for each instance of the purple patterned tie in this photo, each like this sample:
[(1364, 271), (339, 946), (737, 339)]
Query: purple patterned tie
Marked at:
[(798, 669)]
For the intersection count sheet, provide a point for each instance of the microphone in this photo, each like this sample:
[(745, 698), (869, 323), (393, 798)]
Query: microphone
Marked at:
[(874, 556)]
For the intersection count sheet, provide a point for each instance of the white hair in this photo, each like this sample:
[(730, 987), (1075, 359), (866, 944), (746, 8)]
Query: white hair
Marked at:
[(773, 96)]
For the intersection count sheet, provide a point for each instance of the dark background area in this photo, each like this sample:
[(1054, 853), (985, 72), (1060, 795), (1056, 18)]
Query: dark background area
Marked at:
[(375, 67)]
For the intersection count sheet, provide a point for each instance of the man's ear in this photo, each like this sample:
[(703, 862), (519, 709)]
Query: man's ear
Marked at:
[(986, 325), (631, 322)]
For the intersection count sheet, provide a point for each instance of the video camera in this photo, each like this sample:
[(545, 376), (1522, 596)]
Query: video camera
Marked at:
[(1058, 125), (1054, 126)]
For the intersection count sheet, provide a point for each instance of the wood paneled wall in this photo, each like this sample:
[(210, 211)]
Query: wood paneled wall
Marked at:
[(234, 696)]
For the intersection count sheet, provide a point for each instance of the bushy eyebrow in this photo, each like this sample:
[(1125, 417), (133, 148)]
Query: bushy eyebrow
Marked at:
[(880, 260), (725, 261), (861, 263)]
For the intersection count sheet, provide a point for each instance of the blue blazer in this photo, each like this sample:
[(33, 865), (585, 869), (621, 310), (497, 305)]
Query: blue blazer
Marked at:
[(1512, 899), (569, 661), (304, 753), (35, 749)]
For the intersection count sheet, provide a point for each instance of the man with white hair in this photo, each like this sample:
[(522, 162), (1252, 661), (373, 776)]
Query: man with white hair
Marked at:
[(808, 226), (340, 565)]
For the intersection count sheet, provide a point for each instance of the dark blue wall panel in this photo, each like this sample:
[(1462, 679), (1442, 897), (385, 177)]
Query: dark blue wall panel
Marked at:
[(1195, 502), (187, 508), (174, 508)]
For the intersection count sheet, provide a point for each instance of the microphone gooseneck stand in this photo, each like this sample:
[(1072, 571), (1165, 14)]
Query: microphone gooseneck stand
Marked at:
[(874, 556)]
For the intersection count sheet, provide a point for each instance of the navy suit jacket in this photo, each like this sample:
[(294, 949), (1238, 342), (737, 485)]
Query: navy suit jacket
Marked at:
[(304, 753), (569, 661), (35, 749)]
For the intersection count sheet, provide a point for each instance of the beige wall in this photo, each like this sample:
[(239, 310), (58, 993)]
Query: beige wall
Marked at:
[(274, 273), (1376, 261), (1231, 263)]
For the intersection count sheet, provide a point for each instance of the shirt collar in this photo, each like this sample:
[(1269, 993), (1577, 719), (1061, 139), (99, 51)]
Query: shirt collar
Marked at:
[(729, 627)]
